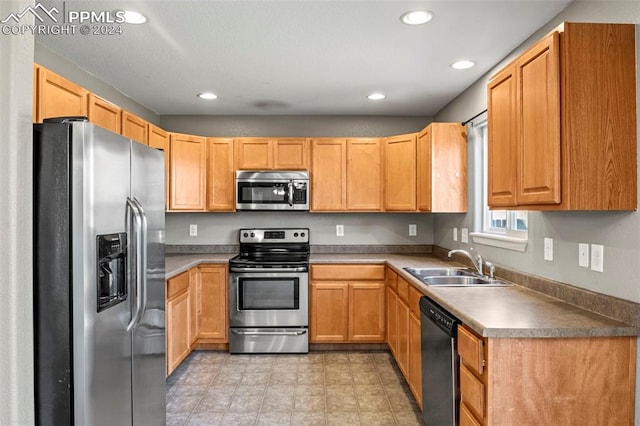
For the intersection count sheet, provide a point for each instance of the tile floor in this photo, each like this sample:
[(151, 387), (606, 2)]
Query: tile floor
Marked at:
[(319, 388)]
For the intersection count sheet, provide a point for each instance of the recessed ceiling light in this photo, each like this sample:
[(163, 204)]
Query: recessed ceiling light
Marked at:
[(376, 96), (207, 95), (462, 65), (416, 17), (131, 17)]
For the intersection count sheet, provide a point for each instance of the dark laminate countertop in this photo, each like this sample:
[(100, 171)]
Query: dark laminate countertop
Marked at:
[(503, 312)]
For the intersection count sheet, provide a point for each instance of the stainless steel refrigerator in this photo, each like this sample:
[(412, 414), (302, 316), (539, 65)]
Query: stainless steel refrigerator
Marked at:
[(99, 302)]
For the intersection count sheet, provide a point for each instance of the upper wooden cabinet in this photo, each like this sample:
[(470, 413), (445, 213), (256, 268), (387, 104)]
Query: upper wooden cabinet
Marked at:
[(134, 127), (400, 173), (562, 123), (103, 113), (329, 174), (364, 174), (57, 97), (442, 168), (220, 175), (188, 156), (159, 139), (272, 153)]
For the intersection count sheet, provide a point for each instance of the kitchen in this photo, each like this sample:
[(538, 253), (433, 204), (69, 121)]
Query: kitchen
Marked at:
[(617, 231)]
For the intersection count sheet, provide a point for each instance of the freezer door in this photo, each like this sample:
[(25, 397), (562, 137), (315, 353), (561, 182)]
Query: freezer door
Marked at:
[(149, 365), (101, 343)]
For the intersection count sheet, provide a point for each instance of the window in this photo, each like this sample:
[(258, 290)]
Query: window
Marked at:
[(500, 228)]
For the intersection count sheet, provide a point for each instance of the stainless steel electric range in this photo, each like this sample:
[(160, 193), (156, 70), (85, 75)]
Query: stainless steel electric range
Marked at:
[(269, 292)]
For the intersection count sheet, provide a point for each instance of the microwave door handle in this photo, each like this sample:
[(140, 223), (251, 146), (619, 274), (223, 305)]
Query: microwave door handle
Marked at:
[(291, 193)]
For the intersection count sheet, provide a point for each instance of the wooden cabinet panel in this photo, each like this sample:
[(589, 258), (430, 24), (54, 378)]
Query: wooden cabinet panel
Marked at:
[(391, 278), (212, 308), (253, 153), (58, 97), (103, 113), (538, 103), (329, 312), (364, 174), (188, 165), (159, 139), (392, 320), (400, 173), (134, 127), (194, 302), (220, 175), (402, 351), (347, 272), (467, 418), (472, 392), (502, 155), (291, 154), (415, 358), (328, 174), (441, 164), (367, 312), (471, 350), (403, 290), (177, 285), (178, 320)]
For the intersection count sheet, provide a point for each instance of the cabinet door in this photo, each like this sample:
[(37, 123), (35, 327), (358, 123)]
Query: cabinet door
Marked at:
[(400, 173), (291, 154), (134, 127), (58, 97), (194, 302), (502, 156), (366, 312), (392, 321), (423, 169), (220, 175), (177, 330), (538, 106), (104, 113), (253, 153), (329, 312), (212, 309), (328, 174), (448, 168), (188, 164), (159, 139), (402, 352), (415, 358), (364, 174)]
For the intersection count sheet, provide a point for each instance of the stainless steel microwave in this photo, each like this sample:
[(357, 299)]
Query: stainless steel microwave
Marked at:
[(272, 190)]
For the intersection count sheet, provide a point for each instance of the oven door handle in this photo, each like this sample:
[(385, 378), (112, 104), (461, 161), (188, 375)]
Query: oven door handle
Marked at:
[(269, 333), (263, 270)]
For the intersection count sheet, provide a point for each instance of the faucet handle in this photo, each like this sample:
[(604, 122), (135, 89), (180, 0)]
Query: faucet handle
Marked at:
[(492, 269)]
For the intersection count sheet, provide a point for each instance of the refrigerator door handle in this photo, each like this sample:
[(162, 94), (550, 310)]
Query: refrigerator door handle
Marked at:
[(133, 211), (143, 256)]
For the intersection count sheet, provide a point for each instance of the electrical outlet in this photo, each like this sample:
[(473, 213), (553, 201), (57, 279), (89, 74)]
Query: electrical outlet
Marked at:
[(455, 234), (583, 255), (193, 230), (339, 230), (548, 249), (413, 230), (597, 257), (464, 235)]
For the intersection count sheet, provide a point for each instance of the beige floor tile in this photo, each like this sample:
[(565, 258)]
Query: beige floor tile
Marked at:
[(310, 378), (366, 378), (360, 358), (369, 389), (217, 389), (245, 404), (214, 403), (239, 419), (283, 378), (277, 403), (251, 390), (408, 418), (309, 403), (338, 378), (205, 419), (377, 403), (280, 389), (377, 419), (310, 389), (255, 378), (331, 358), (309, 419), (342, 403), (224, 378), (363, 368), (274, 418), (344, 418), (340, 389), (258, 368)]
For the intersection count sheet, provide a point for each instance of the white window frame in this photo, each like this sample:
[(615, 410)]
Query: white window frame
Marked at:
[(504, 237)]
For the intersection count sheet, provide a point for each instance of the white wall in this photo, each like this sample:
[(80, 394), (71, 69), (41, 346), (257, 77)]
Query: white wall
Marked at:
[(16, 330), (619, 232)]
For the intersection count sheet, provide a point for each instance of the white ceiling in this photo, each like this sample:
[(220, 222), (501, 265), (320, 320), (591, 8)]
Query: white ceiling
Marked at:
[(300, 57)]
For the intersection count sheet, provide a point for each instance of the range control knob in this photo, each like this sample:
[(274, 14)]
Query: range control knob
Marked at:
[(245, 235), (253, 235), (302, 235), (295, 234)]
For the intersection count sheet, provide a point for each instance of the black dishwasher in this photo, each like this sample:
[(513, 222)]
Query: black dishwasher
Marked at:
[(440, 387)]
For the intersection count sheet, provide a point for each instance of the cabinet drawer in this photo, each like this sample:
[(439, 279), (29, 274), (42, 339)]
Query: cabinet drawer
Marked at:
[(467, 418), (403, 290), (347, 272), (414, 300), (391, 279), (177, 285), (470, 349), (471, 391)]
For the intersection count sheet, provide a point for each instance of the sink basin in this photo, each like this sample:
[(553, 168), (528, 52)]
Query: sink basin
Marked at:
[(454, 277)]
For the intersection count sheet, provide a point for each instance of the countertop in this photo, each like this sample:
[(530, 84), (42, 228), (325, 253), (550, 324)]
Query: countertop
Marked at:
[(503, 312)]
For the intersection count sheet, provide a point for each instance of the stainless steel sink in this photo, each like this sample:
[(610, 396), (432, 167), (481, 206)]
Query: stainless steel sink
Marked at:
[(454, 277)]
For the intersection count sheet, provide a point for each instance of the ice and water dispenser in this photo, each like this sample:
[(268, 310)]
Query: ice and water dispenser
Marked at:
[(112, 269)]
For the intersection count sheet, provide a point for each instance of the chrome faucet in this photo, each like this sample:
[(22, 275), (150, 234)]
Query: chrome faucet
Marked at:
[(476, 259)]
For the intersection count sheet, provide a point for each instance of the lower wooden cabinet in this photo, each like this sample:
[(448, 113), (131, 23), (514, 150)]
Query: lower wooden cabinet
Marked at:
[(347, 304), (196, 311)]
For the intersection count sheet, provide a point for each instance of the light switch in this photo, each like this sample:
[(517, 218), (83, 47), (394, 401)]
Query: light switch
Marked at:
[(455, 234), (583, 255), (548, 249), (413, 230), (597, 257), (464, 235), (340, 230), (193, 230)]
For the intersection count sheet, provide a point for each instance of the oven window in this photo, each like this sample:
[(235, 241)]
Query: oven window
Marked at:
[(264, 193), (269, 294)]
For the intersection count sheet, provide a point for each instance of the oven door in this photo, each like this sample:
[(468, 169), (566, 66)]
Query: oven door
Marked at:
[(269, 299)]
